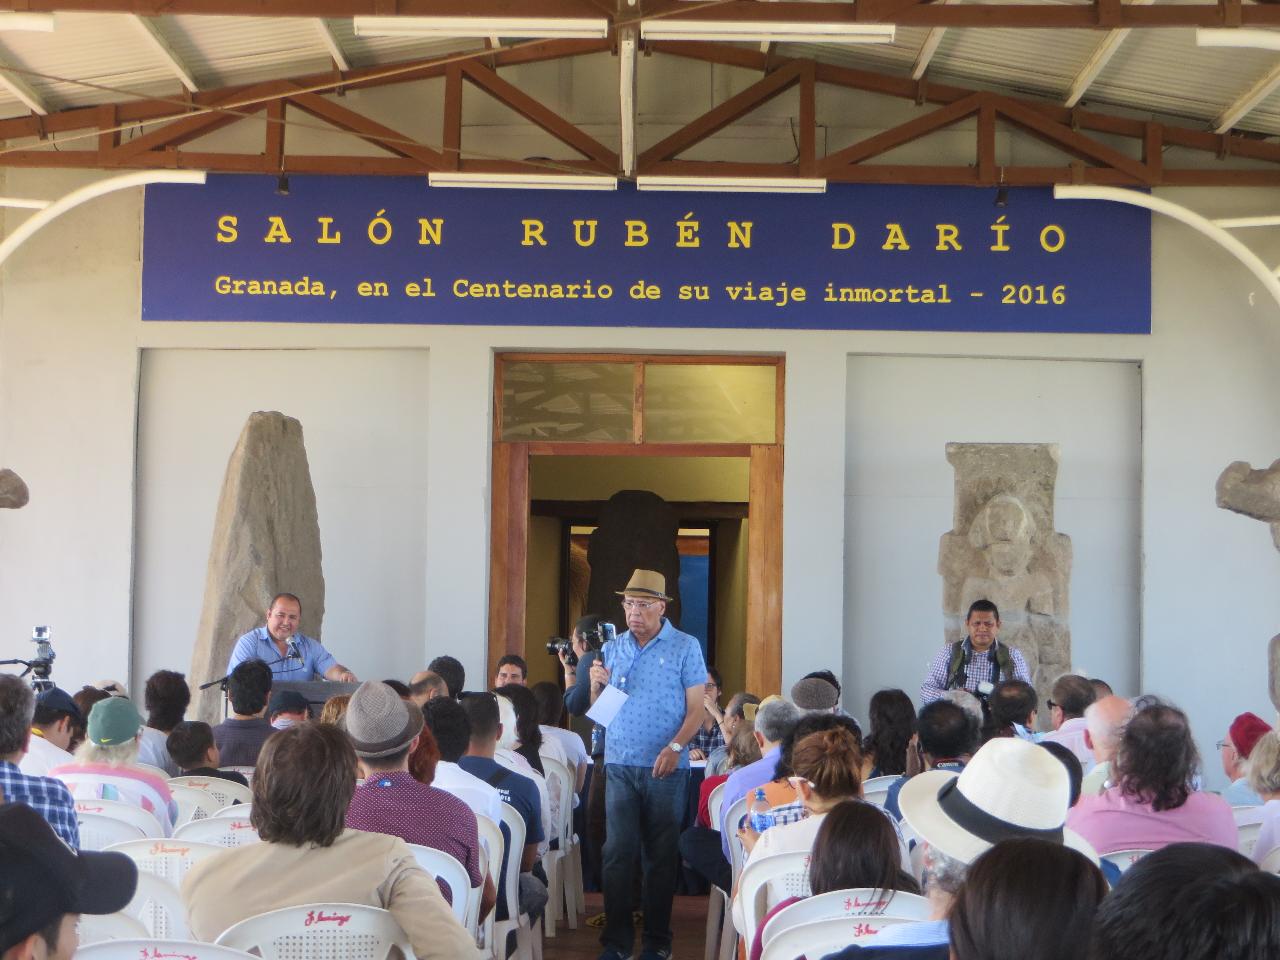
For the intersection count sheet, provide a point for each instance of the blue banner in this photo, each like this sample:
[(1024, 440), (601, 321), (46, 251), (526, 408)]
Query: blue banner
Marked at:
[(393, 250)]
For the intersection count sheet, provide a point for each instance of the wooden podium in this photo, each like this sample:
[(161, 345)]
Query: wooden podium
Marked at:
[(316, 691)]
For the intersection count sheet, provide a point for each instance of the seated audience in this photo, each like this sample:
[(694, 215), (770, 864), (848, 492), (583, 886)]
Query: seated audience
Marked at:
[(946, 736), (816, 694), (1190, 901), (52, 729), (191, 746), (1075, 772), (786, 805), (1153, 803), (892, 717), (531, 743), (730, 721), (384, 731), (512, 668), (1264, 778), (1236, 748), (400, 687), (1101, 688), (450, 671), (1070, 697), (425, 757), (166, 698), (855, 848), (831, 678), (84, 699), (451, 729), (550, 708), (516, 789), (301, 791), (105, 766), (48, 797), (44, 887), (774, 722), (427, 686), (1013, 710), (709, 737), (287, 708), (334, 708), (1026, 897), (700, 844), (240, 737), (743, 750), (969, 703), (1104, 722), (509, 756)]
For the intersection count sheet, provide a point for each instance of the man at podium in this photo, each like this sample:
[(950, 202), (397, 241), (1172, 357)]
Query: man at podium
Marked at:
[(290, 655)]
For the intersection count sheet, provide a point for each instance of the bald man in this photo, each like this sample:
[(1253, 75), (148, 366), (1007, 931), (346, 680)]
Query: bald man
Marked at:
[(1104, 722)]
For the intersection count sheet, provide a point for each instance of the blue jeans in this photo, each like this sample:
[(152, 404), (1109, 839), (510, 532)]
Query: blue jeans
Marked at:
[(643, 817)]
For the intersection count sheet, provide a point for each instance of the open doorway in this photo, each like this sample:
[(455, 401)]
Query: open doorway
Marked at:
[(702, 433)]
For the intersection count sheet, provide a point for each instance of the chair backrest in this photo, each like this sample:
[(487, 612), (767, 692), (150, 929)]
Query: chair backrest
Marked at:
[(557, 773), (127, 812), (729, 823), (1248, 833), (246, 772), (510, 884), (1271, 862), (97, 832), (876, 789), (158, 905), (192, 804), (753, 884), (822, 937), (859, 902), (94, 928), (132, 949), (1252, 813), (1124, 859), (714, 799), (168, 859), (225, 792), (235, 811), (444, 866), (352, 931), (492, 842), (155, 771), (224, 831)]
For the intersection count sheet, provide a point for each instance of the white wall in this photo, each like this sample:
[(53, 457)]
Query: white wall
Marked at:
[(70, 335), (902, 411), (360, 412)]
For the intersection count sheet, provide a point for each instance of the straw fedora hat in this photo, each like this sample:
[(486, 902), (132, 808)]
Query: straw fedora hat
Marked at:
[(1011, 788), (645, 583)]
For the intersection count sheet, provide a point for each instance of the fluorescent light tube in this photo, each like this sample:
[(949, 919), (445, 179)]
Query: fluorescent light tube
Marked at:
[(523, 181), (732, 184), (550, 28), (747, 31)]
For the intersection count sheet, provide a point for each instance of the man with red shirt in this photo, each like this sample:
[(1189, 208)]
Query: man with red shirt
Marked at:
[(385, 731)]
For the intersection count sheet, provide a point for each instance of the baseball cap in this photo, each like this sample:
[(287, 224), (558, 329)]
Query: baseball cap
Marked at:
[(60, 701), (113, 721), (41, 878), (288, 701)]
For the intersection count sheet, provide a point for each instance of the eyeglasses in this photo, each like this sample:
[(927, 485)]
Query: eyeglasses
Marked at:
[(1050, 704), (640, 605), (710, 686), (1223, 743)]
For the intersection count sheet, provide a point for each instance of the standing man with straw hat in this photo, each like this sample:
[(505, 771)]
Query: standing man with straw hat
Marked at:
[(661, 672)]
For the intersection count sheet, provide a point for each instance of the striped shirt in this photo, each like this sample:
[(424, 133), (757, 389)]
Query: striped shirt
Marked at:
[(981, 668), (46, 796)]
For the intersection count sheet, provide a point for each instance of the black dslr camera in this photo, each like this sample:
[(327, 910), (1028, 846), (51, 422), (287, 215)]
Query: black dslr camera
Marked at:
[(595, 639)]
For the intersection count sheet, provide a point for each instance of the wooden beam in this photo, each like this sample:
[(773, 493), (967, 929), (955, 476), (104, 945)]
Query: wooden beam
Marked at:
[(177, 132), (1238, 108), (764, 570), (150, 29), (451, 135), (368, 130), (1061, 135), (685, 510), (1101, 56), (808, 122), (905, 132), (508, 547), (15, 84), (274, 147)]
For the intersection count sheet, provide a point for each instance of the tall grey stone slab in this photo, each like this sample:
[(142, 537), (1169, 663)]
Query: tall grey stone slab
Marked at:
[(1256, 494), (13, 491), (266, 540), (1003, 548)]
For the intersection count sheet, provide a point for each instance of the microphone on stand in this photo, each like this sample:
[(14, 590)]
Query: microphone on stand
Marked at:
[(294, 653)]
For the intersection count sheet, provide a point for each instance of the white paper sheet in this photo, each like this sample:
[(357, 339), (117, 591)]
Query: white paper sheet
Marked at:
[(607, 706)]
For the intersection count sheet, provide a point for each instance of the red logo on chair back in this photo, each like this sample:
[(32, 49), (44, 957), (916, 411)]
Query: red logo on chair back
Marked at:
[(854, 905), (319, 916), (85, 808), (155, 953), (160, 849), (864, 930), (241, 825), (198, 784)]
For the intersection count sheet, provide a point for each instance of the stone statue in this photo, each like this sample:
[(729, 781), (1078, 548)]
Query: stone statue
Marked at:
[(1256, 494), (1003, 548), (13, 491)]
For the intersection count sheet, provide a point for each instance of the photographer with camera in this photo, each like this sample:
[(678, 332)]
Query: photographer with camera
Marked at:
[(976, 663)]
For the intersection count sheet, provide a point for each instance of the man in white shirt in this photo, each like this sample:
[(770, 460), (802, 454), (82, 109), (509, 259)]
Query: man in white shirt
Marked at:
[(52, 728), (1070, 697), (448, 723)]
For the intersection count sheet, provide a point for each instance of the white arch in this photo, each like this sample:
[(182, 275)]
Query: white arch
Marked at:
[(1183, 215), (90, 191)]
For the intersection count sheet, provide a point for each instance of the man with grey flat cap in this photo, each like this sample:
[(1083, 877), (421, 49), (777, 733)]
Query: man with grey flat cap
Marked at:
[(661, 673)]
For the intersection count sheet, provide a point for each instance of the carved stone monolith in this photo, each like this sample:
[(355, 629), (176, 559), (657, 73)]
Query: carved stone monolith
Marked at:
[(637, 529), (1256, 494), (266, 540), (1003, 548), (13, 491)]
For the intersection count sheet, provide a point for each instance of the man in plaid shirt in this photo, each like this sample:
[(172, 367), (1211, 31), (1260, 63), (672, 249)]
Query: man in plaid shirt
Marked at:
[(976, 660), (48, 797)]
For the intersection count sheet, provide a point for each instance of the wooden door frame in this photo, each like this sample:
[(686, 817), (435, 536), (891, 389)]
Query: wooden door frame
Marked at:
[(509, 519)]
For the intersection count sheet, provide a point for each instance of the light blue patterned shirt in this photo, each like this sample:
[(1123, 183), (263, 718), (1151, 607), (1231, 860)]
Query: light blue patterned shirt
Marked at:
[(257, 644), (654, 678)]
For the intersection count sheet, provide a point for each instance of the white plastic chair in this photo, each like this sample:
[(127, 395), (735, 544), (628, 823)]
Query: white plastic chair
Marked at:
[(714, 800), (238, 811), (1271, 862), (155, 771), (822, 937), (444, 866), (1124, 859), (224, 831), (97, 832), (859, 902), (158, 906), (753, 885), (1248, 833), (124, 812), (153, 947), (352, 931), (246, 772), (559, 901), (225, 792), (528, 942), (492, 844), (729, 825), (95, 928), (168, 859), (876, 789), (192, 804)]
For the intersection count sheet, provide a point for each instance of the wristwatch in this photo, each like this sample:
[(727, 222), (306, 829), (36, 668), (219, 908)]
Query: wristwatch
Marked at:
[(675, 746)]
